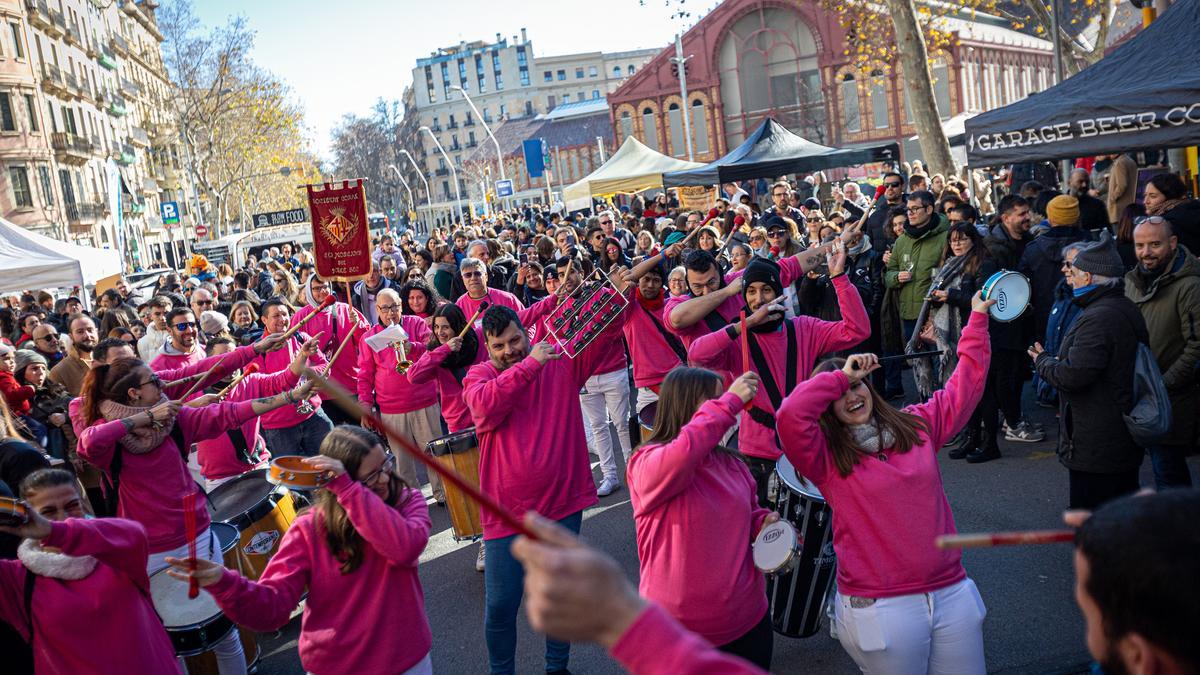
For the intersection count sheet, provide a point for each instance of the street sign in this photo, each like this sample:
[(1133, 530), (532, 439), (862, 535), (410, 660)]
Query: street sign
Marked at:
[(170, 213), (288, 217), (504, 188), (201, 230)]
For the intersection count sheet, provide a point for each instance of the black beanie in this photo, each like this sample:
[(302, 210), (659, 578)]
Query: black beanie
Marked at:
[(764, 270)]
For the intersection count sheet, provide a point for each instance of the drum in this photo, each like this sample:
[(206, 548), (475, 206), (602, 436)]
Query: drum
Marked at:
[(194, 625), (460, 452), (205, 663), (797, 595), (13, 512), (1011, 291), (292, 472), (776, 548), (261, 512), (646, 420), (228, 536)]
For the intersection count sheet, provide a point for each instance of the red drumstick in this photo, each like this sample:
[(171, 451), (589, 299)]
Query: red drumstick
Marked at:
[(988, 539), (486, 502), (745, 350), (189, 526), (248, 369)]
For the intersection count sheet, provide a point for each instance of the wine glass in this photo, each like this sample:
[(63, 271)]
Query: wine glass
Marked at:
[(908, 262)]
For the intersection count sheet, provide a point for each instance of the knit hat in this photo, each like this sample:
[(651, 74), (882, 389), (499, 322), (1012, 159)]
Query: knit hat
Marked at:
[(674, 237), (1100, 257), (764, 270), (6, 349), (213, 322), (28, 356), (1063, 210)]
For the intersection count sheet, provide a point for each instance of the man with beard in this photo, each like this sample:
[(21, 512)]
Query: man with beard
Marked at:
[(782, 351), (879, 222), (781, 193), (540, 466), (71, 370), (1165, 286), (184, 346), (1093, 214)]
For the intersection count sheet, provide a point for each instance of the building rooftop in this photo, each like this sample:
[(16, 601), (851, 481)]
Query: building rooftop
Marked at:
[(591, 106), (565, 132)]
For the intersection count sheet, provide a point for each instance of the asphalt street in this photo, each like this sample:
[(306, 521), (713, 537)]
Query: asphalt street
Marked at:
[(1033, 624)]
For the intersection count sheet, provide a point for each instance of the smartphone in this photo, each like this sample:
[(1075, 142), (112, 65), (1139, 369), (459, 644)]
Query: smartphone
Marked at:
[(524, 259)]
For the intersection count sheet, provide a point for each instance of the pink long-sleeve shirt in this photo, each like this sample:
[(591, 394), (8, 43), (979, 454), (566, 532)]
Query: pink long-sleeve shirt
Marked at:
[(153, 484), (371, 620), (333, 323), (230, 362), (789, 272), (217, 456), (813, 338), (493, 297), (285, 417), (652, 357), (890, 509), (532, 452), (655, 643), (380, 384), (102, 623), (696, 514)]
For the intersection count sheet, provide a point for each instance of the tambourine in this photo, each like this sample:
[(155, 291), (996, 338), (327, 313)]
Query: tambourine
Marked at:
[(13, 512), (292, 472), (1011, 292), (776, 548)]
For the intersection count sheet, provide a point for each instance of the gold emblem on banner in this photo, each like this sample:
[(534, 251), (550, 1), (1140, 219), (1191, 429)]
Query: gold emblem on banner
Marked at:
[(339, 227)]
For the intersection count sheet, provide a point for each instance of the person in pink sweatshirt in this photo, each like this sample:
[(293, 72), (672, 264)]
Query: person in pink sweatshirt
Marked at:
[(532, 455), (696, 514), (653, 349), (903, 605), (291, 430), (782, 351), (89, 608), (183, 348), (333, 324), (408, 407), (355, 553), (475, 279)]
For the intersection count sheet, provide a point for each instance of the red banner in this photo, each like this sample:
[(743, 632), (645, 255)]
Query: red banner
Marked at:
[(341, 239)]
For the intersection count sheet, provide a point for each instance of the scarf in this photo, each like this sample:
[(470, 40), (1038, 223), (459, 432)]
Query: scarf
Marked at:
[(54, 565), (139, 440), (918, 232), (864, 244), (947, 327), (1084, 290), (871, 437), (652, 306), (1165, 207)]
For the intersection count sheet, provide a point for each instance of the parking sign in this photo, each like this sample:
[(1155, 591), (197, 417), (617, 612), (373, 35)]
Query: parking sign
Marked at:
[(504, 188), (170, 213)]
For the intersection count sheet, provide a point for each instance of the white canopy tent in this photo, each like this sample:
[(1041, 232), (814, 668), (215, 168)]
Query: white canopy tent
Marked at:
[(32, 261), (632, 168)]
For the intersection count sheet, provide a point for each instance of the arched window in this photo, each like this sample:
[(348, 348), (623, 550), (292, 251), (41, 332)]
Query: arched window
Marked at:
[(649, 128), (675, 122), (879, 106), (626, 125), (848, 89), (617, 72), (699, 127), (631, 69)]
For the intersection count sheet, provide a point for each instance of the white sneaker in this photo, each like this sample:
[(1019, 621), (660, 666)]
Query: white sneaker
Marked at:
[(1023, 433), (607, 487), (479, 558)]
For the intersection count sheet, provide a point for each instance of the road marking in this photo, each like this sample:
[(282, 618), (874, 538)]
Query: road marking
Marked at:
[(1042, 454)]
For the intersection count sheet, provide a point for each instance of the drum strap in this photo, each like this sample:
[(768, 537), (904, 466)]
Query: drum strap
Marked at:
[(768, 379), (30, 578), (672, 341), (459, 374), (240, 446), (715, 322)]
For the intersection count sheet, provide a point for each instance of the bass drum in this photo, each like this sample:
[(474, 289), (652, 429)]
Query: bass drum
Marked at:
[(261, 512), (797, 595), (460, 453)]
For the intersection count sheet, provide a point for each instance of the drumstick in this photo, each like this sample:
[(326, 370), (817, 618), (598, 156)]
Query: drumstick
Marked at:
[(189, 526), (989, 539), (327, 302), (197, 383), (250, 368), (338, 352), (352, 407), (745, 345), (482, 306), (914, 355), (176, 383)]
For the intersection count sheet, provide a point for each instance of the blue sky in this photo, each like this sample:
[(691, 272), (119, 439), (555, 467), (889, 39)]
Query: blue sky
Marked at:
[(338, 57)]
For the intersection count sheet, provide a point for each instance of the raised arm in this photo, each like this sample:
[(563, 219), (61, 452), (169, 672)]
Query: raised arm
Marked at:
[(116, 542), (267, 605), (855, 326), (398, 534), (492, 396), (424, 369), (533, 314), (798, 422), (950, 407), (694, 310)]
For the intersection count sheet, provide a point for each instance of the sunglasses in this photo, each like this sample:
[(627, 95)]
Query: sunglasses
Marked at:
[(606, 222), (185, 325), (49, 338), (153, 380), (472, 275), (893, 185), (775, 234)]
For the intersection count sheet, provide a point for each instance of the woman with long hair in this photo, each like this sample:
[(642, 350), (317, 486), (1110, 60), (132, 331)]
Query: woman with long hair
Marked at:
[(419, 299), (287, 287), (613, 256), (355, 553), (903, 605), (446, 363), (696, 513)]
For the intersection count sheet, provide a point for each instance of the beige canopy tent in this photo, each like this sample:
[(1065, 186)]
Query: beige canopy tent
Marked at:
[(632, 168)]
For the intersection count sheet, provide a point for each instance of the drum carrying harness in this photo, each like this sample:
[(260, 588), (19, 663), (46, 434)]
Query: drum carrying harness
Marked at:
[(671, 340), (768, 380)]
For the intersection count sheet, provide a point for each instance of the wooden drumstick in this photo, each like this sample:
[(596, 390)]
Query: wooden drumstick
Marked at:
[(338, 352), (482, 306), (327, 302), (352, 407), (176, 383), (250, 368), (197, 383), (989, 539)]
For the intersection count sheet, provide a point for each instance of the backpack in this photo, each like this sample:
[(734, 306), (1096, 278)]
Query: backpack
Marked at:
[(1150, 418)]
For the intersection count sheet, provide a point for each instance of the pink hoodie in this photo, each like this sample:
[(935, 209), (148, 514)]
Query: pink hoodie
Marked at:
[(889, 510), (334, 323), (493, 297), (813, 339), (378, 381), (532, 452), (232, 361), (371, 620), (217, 456), (286, 416), (102, 623), (153, 484), (655, 643), (174, 360), (789, 271), (652, 357), (697, 513)]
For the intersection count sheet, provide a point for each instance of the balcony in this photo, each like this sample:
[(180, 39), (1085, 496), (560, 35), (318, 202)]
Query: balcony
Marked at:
[(116, 105), (472, 144), (39, 14), (452, 125), (119, 45), (138, 136), (455, 147), (71, 83), (58, 25), (441, 172), (52, 80), (70, 148), (470, 122), (123, 154), (106, 58), (72, 36), (130, 88), (80, 217), (436, 127)]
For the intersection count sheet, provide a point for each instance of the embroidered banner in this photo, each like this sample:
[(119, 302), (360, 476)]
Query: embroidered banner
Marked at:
[(341, 239)]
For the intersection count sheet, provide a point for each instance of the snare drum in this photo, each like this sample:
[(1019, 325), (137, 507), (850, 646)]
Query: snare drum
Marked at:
[(460, 452), (776, 548), (797, 595), (205, 663), (292, 472), (261, 512), (1011, 291), (646, 419), (194, 625)]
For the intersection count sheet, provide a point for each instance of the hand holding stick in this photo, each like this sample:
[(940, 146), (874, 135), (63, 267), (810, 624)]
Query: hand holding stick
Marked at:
[(197, 383), (327, 302), (338, 351), (471, 322)]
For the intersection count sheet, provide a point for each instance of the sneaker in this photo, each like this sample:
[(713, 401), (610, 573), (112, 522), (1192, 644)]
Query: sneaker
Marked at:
[(1023, 433), (479, 558), (608, 486)]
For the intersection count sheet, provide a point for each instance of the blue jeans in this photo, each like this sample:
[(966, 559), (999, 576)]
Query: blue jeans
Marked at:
[(1170, 466), (304, 439), (504, 585)]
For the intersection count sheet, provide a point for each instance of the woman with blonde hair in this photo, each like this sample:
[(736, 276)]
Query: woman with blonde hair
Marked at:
[(287, 287)]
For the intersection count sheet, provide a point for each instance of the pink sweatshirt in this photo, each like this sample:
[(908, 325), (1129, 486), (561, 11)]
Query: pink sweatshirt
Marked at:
[(334, 323), (532, 452), (217, 456), (174, 360), (153, 484), (232, 361), (655, 643), (886, 514), (102, 623), (371, 620), (286, 416), (493, 297), (813, 339), (697, 513), (789, 272), (378, 381), (652, 357)]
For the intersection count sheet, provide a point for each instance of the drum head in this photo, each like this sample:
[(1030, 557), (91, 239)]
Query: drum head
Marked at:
[(232, 499), (774, 546), (227, 535), (647, 415), (1011, 292), (170, 598), (794, 481), (459, 441)]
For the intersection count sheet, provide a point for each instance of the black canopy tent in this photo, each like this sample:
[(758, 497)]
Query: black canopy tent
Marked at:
[(1145, 94), (772, 150)]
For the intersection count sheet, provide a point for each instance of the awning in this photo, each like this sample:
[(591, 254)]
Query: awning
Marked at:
[(632, 168)]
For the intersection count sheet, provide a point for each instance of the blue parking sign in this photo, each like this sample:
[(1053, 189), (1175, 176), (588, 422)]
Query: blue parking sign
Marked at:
[(170, 213)]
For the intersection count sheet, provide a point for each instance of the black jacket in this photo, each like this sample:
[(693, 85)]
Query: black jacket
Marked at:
[(1093, 373), (1185, 218), (1041, 263), (1006, 254), (1093, 213), (878, 225)]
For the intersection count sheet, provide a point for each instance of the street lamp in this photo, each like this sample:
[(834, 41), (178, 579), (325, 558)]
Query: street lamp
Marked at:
[(421, 175), (453, 174), (680, 62), (499, 154), (405, 183)]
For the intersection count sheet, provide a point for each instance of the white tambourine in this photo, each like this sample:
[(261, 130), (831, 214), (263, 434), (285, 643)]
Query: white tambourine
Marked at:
[(1011, 292), (776, 548)]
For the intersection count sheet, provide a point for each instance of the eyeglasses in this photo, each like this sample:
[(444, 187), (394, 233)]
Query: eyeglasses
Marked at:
[(185, 325), (917, 209), (893, 185), (472, 275), (389, 461), (387, 309), (153, 380), (1150, 220)]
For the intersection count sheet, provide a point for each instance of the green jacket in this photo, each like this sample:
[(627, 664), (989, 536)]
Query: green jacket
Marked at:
[(1171, 307), (925, 254)]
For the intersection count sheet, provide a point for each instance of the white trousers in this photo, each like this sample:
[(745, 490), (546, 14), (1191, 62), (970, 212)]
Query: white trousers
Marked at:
[(419, 427), (607, 397), (934, 633), (231, 660), (645, 396)]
